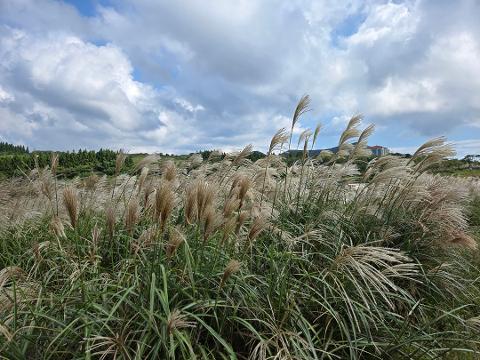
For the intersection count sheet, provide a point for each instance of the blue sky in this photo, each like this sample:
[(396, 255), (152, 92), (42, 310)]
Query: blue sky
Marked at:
[(86, 7), (181, 76)]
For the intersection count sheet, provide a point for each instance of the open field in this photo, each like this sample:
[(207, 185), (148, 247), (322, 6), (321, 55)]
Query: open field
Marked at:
[(229, 258)]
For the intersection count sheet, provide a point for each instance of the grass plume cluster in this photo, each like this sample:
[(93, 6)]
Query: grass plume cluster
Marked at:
[(235, 259)]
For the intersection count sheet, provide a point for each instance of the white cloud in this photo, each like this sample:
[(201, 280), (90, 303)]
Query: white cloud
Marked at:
[(60, 83), (97, 78), (399, 96), (467, 147), (69, 91), (386, 22), (15, 125), (188, 106), (417, 71), (5, 96)]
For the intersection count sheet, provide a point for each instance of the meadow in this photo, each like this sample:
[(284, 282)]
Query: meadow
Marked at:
[(229, 258)]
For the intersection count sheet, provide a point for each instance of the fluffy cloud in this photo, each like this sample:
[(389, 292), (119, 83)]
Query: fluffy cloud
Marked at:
[(166, 76), (60, 91), (418, 72), (73, 90)]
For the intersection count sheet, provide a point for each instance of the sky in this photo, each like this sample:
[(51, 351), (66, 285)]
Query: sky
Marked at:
[(181, 76)]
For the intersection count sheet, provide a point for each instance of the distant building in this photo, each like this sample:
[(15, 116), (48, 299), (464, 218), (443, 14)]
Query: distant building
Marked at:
[(378, 150)]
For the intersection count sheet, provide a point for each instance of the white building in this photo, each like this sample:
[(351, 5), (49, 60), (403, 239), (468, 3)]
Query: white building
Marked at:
[(378, 150)]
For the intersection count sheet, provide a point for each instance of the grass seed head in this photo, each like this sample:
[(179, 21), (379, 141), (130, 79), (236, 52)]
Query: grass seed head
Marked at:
[(46, 186), (54, 163), (132, 215), (149, 189), (244, 185), (169, 171), (91, 182), (164, 203), (240, 186), (195, 161), (258, 225), (190, 207), (176, 320), (463, 240), (215, 155), (11, 273), (142, 178), (148, 160), (232, 204), (176, 238), (241, 218), (302, 107), (145, 240), (304, 136), (280, 138), (70, 200), (242, 155), (232, 267), (56, 225), (228, 228), (316, 133), (119, 162), (205, 196), (210, 220), (96, 232)]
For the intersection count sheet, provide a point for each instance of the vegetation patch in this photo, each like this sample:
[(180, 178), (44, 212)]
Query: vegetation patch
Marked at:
[(224, 257)]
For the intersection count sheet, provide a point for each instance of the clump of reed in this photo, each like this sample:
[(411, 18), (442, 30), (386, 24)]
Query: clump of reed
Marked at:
[(341, 256)]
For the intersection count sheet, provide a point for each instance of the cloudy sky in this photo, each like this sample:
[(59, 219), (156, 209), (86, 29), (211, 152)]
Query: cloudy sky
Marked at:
[(179, 76)]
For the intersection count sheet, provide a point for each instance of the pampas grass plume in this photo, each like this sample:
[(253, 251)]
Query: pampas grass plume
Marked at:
[(70, 200), (232, 267), (119, 162), (176, 238)]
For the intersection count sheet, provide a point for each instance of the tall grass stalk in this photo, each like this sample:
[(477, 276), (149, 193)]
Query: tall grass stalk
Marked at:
[(303, 106)]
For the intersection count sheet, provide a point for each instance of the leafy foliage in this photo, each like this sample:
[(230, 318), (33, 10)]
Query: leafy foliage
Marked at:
[(71, 164), (13, 149)]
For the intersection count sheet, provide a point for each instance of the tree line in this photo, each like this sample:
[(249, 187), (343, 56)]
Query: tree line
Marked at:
[(70, 164), (13, 149)]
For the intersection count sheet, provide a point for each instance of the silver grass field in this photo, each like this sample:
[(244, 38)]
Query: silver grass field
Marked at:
[(225, 258)]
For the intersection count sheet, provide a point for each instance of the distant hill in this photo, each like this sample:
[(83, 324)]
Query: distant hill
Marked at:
[(312, 153)]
